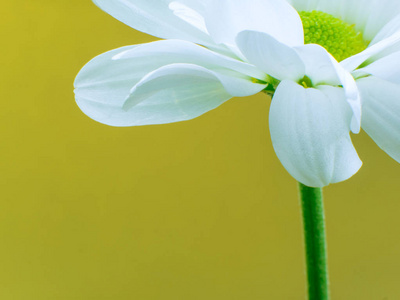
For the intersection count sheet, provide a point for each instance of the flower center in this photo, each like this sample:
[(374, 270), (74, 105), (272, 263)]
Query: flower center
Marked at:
[(339, 38)]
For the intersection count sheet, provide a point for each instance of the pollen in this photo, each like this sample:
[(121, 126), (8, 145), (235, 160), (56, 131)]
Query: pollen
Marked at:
[(336, 36)]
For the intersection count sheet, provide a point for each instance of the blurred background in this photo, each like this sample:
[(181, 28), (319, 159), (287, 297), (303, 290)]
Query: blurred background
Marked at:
[(196, 210)]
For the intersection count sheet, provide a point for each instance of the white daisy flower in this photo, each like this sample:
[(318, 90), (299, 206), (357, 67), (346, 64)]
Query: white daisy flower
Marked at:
[(331, 66)]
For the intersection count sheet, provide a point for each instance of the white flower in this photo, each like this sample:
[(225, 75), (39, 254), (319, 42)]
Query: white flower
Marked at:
[(219, 49)]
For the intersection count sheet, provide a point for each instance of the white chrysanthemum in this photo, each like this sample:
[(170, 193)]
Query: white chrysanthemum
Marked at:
[(219, 49)]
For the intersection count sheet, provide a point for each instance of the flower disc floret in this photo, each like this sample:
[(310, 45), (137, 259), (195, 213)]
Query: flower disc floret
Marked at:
[(336, 36)]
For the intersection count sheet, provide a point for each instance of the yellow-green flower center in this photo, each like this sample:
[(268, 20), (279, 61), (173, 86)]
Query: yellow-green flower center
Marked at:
[(337, 37)]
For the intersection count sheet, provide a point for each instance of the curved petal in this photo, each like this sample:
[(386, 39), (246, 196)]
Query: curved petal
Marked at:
[(310, 134), (226, 18), (178, 51), (378, 13), (274, 58), (189, 15), (301, 5), (319, 65), (388, 30), (155, 17), (189, 81), (170, 94), (387, 68), (355, 61), (381, 113), (322, 68), (104, 80)]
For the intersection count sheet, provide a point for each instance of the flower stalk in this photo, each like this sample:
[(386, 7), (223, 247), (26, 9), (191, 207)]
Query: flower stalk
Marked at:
[(315, 242)]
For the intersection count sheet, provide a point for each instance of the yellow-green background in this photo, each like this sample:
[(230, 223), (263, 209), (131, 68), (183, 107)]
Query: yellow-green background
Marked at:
[(193, 210)]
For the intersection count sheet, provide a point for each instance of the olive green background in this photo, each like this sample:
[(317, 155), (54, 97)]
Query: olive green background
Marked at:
[(196, 210)]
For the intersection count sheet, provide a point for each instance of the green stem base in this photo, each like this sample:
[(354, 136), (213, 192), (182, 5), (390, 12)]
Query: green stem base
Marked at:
[(315, 242)]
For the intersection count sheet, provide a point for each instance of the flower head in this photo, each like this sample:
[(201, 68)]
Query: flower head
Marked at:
[(332, 67)]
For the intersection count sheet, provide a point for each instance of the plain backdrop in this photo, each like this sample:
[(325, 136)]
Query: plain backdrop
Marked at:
[(194, 210)]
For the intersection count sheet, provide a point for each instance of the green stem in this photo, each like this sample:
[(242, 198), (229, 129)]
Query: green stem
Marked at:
[(315, 240)]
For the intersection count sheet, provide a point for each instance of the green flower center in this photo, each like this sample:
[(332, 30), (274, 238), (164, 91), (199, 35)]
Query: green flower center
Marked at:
[(339, 38)]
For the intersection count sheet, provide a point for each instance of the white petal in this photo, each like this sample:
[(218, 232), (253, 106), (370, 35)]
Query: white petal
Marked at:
[(238, 86), (355, 61), (381, 113), (387, 68), (322, 68), (301, 5), (156, 18), (274, 58), (310, 134), (226, 18), (106, 81), (378, 13), (174, 93), (189, 15), (177, 51), (319, 65), (388, 30), (368, 16)]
